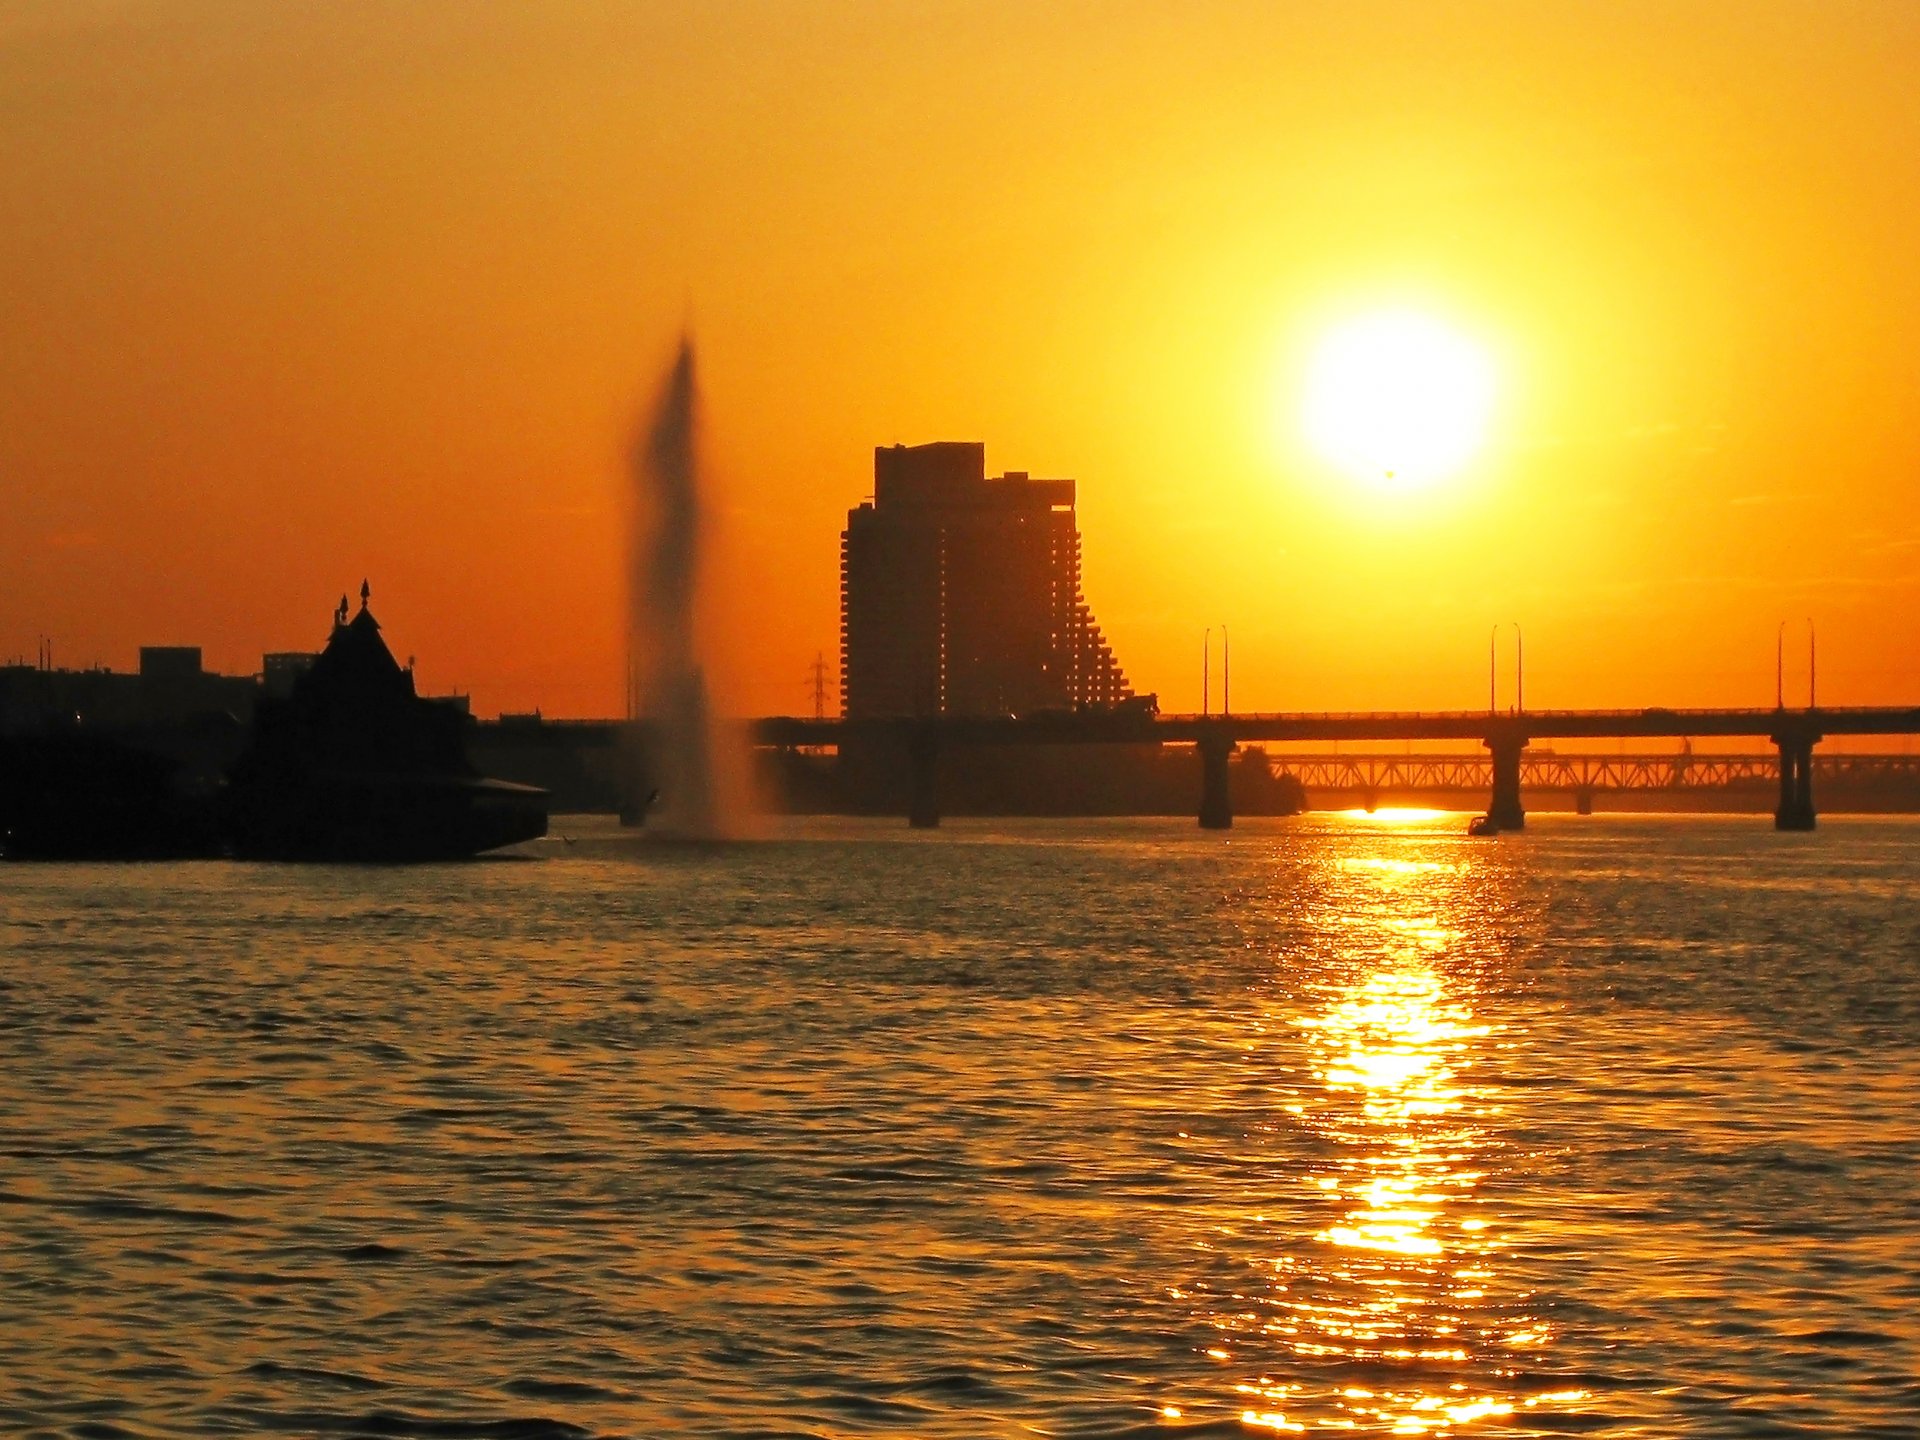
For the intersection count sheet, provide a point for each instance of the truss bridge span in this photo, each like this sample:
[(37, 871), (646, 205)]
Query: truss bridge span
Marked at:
[(1386, 771), (1367, 776)]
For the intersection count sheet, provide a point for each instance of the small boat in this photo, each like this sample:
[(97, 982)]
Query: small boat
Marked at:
[(1482, 825)]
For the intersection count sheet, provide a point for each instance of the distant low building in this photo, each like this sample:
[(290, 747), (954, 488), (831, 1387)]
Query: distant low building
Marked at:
[(174, 686), (960, 594), (171, 687), (165, 663)]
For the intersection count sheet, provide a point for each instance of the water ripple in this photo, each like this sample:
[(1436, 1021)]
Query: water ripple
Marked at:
[(1074, 1128)]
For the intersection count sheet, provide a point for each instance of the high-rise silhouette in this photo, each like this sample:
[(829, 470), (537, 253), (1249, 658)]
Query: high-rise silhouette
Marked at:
[(960, 594)]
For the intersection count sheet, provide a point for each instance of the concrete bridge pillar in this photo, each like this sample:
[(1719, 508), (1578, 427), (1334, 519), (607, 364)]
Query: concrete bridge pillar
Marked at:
[(923, 759), (1216, 801), (1504, 809), (1583, 800), (1796, 783)]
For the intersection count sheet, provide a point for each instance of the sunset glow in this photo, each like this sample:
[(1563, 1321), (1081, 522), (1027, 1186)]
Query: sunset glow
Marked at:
[(324, 295), (1398, 399), (974, 717)]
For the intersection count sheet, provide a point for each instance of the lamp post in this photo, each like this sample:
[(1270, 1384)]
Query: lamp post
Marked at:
[(1519, 671), (1206, 673), (1812, 703), (1493, 669), (1226, 675), (1780, 667)]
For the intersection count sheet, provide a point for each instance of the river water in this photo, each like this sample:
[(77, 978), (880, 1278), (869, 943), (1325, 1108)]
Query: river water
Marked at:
[(1088, 1128)]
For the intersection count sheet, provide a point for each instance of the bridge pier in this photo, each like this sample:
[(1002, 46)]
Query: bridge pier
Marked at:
[(1796, 783), (1504, 809), (1216, 801), (923, 800)]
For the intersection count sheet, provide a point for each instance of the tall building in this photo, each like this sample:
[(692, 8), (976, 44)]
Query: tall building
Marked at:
[(960, 594)]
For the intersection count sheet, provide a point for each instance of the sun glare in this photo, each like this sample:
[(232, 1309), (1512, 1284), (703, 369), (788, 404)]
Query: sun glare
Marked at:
[(1398, 399), (1396, 815)]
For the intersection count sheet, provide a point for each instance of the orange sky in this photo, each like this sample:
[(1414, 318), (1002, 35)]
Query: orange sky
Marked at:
[(293, 294)]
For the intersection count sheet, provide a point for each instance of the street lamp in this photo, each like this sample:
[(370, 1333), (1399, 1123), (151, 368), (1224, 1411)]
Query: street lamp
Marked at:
[(1493, 668), (1519, 671), (1206, 673), (1811, 702), (1780, 667), (1226, 675)]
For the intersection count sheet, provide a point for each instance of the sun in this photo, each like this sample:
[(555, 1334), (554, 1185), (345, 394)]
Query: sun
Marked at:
[(1398, 399)]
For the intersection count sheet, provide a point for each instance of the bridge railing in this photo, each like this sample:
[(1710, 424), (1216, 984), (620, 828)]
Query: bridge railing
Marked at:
[(1649, 712)]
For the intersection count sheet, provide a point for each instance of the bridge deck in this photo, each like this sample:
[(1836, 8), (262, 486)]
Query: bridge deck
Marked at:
[(1112, 728), (1653, 723)]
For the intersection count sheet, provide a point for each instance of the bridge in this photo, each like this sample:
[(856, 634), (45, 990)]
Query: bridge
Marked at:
[(1792, 733), (1370, 775), (1502, 772)]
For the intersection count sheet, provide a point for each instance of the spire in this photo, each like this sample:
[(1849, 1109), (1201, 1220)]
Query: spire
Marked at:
[(340, 615), (366, 593)]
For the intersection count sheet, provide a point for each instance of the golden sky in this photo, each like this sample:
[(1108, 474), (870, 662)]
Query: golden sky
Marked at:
[(293, 294)]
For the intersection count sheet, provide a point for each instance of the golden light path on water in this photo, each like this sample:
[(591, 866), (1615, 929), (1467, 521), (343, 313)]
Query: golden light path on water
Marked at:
[(1066, 1128), (1394, 1311)]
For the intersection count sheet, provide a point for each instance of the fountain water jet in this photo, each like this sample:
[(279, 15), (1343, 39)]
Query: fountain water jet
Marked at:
[(685, 759)]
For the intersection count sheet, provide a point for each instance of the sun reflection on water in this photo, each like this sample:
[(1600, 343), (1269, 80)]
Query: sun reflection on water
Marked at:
[(1391, 1317)]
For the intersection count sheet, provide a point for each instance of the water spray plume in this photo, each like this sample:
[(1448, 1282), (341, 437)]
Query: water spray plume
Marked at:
[(668, 524)]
